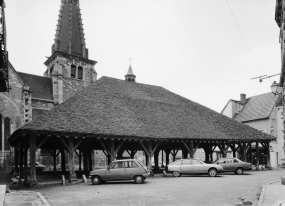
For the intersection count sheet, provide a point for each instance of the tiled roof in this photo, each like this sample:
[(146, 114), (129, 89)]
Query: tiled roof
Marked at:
[(40, 86), (257, 107), (117, 108)]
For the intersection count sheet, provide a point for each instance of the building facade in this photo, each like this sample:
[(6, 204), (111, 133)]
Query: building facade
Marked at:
[(264, 113)]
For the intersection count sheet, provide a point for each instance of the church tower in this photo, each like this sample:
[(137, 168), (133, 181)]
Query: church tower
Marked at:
[(69, 65)]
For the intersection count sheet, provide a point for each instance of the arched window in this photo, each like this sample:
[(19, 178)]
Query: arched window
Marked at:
[(80, 72), (7, 132), (73, 71)]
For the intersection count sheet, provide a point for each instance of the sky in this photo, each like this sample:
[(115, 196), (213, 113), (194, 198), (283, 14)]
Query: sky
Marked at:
[(204, 50)]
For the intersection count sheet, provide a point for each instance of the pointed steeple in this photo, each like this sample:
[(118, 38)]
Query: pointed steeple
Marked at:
[(130, 77), (69, 37)]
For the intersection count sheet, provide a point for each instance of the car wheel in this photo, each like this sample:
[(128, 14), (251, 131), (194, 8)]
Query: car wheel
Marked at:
[(176, 174), (139, 179), (212, 172), (96, 180), (239, 171)]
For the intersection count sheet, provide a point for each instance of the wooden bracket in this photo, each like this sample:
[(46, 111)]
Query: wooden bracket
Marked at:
[(105, 153), (105, 148), (119, 147), (41, 143), (186, 148), (155, 147), (77, 145), (144, 148), (64, 143)]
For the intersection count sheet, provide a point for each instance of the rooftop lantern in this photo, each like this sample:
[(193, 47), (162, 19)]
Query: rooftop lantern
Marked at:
[(276, 89)]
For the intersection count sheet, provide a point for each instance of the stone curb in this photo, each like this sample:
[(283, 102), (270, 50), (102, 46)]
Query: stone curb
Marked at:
[(261, 197), (43, 199)]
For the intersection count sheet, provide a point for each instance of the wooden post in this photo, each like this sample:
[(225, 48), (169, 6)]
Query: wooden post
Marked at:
[(90, 160), (80, 159), (63, 169), (26, 160), (85, 161), (120, 155), (167, 152), (72, 174), (162, 160), (184, 154), (267, 143), (21, 159), (16, 160), (112, 150), (191, 147), (156, 166), (149, 149), (257, 155), (251, 155), (54, 162), (33, 174)]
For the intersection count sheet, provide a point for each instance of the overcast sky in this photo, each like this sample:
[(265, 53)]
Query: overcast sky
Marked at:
[(204, 50)]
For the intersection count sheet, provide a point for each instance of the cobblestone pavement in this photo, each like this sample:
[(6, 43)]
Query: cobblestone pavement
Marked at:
[(227, 189)]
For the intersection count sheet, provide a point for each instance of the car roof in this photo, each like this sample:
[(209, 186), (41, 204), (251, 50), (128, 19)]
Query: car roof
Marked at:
[(125, 160)]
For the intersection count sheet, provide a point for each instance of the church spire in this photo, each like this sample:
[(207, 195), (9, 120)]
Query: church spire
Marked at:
[(69, 37), (130, 77)]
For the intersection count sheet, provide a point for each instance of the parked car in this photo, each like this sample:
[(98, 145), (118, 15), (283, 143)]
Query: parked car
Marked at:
[(39, 167), (234, 165), (192, 166), (126, 169)]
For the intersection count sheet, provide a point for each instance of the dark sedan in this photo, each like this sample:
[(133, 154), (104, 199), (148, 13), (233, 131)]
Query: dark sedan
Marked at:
[(234, 165)]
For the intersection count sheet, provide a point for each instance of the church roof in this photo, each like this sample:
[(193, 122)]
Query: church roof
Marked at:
[(257, 107), (117, 108), (41, 86), (69, 36)]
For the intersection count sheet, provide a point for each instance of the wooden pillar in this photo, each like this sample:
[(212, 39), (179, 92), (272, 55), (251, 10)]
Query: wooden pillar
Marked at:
[(167, 152), (162, 160), (120, 155), (267, 143), (72, 174), (26, 160), (62, 154), (257, 155), (112, 150), (156, 166), (90, 165), (133, 152), (184, 154), (234, 150), (16, 160), (54, 162), (80, 159), (33, 174), (191, 147), (251, 154), (149, 149), (85, 161), (21, 171)]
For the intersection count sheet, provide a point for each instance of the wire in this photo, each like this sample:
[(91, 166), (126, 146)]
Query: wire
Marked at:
[(243, 36)]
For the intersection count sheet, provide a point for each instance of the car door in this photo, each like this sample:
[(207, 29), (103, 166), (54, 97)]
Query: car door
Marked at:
[(231, 165), (115, 171), (197, 166), (132, 169), (186, 166), (223, 163), (175, 166)]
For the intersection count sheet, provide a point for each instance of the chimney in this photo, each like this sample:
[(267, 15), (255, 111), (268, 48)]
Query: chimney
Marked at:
[(242, 98)]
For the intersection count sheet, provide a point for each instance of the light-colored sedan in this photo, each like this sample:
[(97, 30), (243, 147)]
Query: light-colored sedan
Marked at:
[(193, 166), (127, 169), (234, 165)]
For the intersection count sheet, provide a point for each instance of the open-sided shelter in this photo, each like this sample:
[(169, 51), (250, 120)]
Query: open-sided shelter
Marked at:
[(115, 115)]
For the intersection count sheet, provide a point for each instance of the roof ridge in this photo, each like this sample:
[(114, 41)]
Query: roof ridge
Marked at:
[(34, 75)]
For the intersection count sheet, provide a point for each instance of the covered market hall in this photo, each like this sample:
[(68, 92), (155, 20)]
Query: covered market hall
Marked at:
[(114, 116)]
